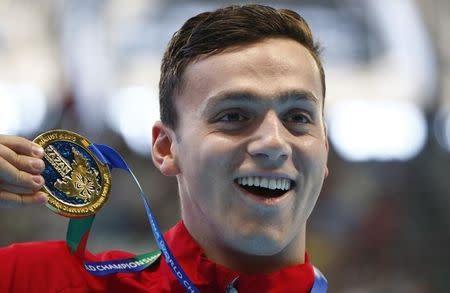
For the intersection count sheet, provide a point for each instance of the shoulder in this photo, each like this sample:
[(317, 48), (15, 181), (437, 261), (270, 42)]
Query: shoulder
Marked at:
[(33, 252), (33, 265)]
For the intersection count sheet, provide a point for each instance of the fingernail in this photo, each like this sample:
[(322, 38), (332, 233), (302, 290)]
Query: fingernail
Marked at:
[(37, 164), (38, 180), (42, 198), (37, 151)]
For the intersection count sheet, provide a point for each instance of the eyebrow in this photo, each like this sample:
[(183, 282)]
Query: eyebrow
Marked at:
[(298, 95), (248, 96)]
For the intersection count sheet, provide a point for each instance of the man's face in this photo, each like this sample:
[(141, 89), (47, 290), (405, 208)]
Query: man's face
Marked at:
[(251, 146)]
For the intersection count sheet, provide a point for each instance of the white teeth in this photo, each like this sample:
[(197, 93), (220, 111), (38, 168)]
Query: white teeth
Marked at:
[(264, 182), (279, 183), (287, 184), (273, 184)]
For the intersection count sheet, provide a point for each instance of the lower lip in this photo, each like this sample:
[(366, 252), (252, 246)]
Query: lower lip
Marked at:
[(268, 201)]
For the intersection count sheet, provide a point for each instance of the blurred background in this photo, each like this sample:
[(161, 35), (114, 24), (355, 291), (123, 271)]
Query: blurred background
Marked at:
[(382, 223)]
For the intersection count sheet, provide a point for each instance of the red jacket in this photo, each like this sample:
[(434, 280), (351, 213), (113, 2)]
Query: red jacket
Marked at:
[(50, 267)]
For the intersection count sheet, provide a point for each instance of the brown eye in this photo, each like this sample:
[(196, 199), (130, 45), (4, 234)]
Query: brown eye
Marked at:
[(297, 118), (232, 117)]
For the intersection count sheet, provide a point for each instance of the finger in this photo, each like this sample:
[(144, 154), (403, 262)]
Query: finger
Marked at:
[(8, 199), (22, 146), (22, 162), (11, 175), (16, 189)]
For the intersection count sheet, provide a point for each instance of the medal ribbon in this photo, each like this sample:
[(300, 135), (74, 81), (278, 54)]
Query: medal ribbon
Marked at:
[(78, 233), (320, 282)]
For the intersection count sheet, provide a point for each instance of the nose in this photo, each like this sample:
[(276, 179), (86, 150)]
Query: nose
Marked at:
[(269, 145)]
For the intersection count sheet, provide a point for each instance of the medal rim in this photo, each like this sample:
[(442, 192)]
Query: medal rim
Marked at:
[(60, 207)]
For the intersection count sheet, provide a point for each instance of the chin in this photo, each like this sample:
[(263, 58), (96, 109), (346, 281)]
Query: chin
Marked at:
[(261, 244)]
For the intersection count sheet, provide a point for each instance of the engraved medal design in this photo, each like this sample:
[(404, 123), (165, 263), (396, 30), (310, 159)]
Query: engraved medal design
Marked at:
[(76, 181)]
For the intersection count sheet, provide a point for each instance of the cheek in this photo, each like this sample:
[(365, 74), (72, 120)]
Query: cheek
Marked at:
[(220, 157), (310, 160), (220, 153), (207, 163), (213, 166), (310, 157)]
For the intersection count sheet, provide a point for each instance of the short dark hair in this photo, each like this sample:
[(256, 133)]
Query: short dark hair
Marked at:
[(210, 33)]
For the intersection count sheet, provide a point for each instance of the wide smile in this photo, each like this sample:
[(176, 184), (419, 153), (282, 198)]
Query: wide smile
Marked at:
[(265, 189)]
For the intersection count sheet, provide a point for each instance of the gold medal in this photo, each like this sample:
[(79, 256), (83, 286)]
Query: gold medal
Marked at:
[(77, 183)]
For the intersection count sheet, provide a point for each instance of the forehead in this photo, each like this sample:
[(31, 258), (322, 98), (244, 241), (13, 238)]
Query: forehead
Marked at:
[(266, 69)]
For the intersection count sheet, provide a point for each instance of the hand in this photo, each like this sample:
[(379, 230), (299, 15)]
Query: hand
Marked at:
[(20, 167)]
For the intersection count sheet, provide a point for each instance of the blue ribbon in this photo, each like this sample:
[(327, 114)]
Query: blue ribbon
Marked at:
[(113, 159), (320, 282), (134, 264)]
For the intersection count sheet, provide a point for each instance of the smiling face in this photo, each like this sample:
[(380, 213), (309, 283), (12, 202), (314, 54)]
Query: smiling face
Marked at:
[(250, 149)]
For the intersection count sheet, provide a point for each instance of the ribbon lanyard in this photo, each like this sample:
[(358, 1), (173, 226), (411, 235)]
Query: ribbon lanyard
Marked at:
[(320, 282), (78, 233)]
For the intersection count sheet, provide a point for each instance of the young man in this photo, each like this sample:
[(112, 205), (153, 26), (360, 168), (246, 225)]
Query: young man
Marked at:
[(241, 95)]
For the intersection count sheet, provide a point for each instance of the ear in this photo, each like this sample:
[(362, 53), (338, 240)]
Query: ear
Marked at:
[(163, 154), (327, 146)]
